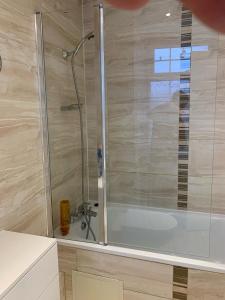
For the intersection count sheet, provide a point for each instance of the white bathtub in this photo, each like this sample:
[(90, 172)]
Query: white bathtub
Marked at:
[(185, 238)]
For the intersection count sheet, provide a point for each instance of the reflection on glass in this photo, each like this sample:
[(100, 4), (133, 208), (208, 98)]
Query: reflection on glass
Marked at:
[(162, 54), (181, 53), (175, 60), (164, 88), (175, 66), (162, 67), (200, 48)]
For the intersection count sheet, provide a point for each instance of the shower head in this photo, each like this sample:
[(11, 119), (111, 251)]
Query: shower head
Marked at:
[(74, 52), (89, 36)]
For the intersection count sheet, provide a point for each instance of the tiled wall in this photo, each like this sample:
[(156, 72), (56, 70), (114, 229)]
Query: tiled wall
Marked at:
[(150, 162), (22, 203), (218, 191), (63, 30), (142, 122), (141, 127), (142, 280)]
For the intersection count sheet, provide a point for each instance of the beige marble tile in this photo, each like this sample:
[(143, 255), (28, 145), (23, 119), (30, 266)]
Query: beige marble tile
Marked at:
[(205, 285), (220, 88), (156, 157), (202, 35), (218, 192), (58, 70), (138, 23), (62, 285), (221, 73), (68, 287), (30, 220), (220, 119), (221, 44), (143, 189), (22, 7), (69, 21), (203, 74), (67, 263), (93, 163), (141, 122), (55, 5), (23, 142), (204, 55), (163, 191), (22, 207), (130, 188), (61, 30), (28, 7), (200, 157), (92, 122), (117, 93), (138, 276), (200, 193), (56, 35), (90, 89), (22, 184), (202, 116), (129, 295), (88, 286), (67, 259), (18, 75), (93, 188), (219, 159), (65, 87)]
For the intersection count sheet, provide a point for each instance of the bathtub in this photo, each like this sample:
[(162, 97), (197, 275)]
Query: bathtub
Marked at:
[(175, 237)]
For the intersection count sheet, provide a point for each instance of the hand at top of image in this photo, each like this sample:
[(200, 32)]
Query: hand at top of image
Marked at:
[(211, 12)]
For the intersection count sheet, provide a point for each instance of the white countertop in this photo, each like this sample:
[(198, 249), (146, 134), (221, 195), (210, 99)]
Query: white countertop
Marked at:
[(18, 253)]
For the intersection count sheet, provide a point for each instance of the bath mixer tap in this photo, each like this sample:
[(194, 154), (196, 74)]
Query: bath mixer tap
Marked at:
[(84, 213), (86, 210)]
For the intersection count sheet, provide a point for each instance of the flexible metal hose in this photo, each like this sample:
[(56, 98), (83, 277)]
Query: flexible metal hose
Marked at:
[(88, 220)]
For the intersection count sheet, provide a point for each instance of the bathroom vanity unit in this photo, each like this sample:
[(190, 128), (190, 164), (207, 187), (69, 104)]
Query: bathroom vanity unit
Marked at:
[(28, 267)]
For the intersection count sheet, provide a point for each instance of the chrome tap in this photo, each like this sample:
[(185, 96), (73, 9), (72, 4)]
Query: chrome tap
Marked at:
[(86, 210)]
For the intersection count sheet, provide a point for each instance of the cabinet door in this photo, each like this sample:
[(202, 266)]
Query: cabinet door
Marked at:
[(92, 287), (35, 282), (52, 291)]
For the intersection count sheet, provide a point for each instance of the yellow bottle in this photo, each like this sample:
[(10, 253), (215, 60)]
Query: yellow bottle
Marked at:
[(65, 217)]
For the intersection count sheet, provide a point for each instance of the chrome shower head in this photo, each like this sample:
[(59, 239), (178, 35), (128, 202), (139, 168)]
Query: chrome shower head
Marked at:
[(66, 53), (89, 36)]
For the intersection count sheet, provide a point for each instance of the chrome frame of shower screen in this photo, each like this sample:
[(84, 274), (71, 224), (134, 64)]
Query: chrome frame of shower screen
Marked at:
[(44, 120), (101, 128), (102, 131)]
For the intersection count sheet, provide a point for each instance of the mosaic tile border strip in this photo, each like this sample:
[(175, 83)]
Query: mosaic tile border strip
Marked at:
[(180, 283), (184, 111)]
